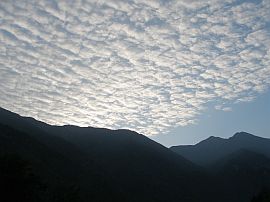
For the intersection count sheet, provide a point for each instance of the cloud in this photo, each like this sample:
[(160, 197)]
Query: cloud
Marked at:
[(147, 66), (220, 107)]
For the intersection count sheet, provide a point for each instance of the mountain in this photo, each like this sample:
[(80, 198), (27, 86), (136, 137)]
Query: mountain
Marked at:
[(93, 164), (41, 162), (263, 196), (240, 164), (243, 174), (208, 151)]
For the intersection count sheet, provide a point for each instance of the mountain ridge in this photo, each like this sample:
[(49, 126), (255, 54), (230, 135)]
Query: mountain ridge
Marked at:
[(132, 166), (209, 150), (87, 162)]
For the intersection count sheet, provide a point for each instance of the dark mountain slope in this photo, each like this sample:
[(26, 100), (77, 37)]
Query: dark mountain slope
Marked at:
[(89, 164), (263, 196), (240, 164), (53, 164), (242, 174), (107, 165), (133, 158), (50, 167), (212, 149)]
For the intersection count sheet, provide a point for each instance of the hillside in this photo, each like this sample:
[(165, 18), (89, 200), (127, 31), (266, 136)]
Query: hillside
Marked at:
[(123, 164)]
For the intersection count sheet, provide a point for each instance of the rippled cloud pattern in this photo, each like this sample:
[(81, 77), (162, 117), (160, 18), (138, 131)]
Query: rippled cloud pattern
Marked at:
[(148, 66)]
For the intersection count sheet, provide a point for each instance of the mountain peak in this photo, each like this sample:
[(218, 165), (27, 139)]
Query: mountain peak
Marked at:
[(242, 135), (211, 139)]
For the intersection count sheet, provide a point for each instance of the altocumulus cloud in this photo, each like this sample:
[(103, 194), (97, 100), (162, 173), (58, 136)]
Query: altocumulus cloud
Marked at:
[(143, 65)]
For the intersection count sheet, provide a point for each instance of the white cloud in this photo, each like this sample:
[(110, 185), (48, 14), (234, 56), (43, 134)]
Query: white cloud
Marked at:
[(147, 66)]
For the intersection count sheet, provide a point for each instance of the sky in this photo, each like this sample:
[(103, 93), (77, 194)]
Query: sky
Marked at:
[(252, 117), (176, 71)]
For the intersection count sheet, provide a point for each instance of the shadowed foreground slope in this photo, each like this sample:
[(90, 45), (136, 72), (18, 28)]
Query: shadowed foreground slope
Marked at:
[(99, 164)]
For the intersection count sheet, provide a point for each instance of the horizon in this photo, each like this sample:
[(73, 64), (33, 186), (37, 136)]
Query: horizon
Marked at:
[(228, 136)]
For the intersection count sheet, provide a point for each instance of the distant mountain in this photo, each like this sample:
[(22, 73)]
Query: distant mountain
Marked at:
[(240, 164), (208, 151), (98, 164)]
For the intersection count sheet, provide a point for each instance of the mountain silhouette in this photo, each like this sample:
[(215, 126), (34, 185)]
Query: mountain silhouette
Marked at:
[(41, 162), (206, 152), (103, 164), (240, 164), (243, 174)]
